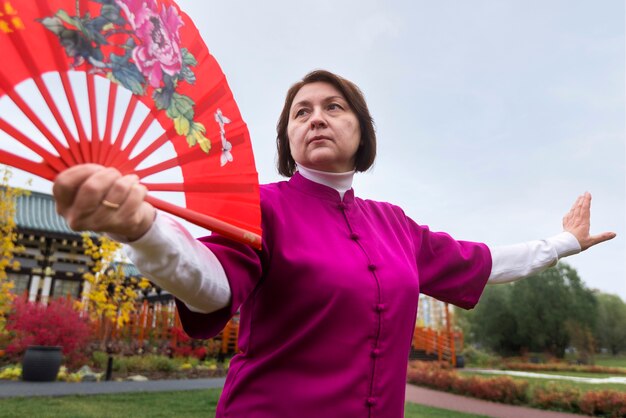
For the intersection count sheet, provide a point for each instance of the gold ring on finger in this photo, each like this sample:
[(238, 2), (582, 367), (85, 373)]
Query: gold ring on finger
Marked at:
[(110, 205)]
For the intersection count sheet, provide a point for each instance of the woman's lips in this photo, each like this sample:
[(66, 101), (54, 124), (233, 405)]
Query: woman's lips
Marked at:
[(319, 138)]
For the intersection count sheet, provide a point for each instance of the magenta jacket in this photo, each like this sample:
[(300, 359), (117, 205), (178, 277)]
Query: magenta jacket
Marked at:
[(328, 307)]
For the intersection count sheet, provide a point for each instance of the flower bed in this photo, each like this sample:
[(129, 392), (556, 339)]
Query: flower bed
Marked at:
[(610, 403), (499, 389), (153, 367)]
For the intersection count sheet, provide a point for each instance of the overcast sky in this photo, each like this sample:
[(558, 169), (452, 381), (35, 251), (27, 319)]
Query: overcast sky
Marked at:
[(491, 116)]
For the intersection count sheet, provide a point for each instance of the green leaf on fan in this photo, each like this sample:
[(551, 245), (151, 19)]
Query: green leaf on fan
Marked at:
[(180, 106), (111, 13), (128, 76), (53, 24), (181, 124), (196, 136), (199, 127), (162, 98), (188, 75), (62, 14), (188, 57)]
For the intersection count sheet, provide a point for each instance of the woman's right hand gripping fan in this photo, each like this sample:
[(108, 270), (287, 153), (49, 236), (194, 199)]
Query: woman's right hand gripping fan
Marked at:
[(100, 199)]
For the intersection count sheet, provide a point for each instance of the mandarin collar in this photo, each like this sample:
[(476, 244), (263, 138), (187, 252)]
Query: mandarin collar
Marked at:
[(300, 183)]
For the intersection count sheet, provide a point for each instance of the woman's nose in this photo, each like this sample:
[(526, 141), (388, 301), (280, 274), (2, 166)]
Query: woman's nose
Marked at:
[(317, 120)]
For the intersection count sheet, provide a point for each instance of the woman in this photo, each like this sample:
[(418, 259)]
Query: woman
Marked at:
[(328, 306)]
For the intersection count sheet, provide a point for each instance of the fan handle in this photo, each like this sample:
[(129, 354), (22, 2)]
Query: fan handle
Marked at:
[(208, 222)]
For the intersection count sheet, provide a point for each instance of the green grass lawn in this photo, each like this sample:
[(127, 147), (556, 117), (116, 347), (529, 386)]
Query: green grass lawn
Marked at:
[(610, 361), (188, 404), (534, 382)]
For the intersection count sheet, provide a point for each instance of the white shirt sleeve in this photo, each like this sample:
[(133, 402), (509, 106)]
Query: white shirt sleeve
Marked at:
[(514, 262), (173, 260)]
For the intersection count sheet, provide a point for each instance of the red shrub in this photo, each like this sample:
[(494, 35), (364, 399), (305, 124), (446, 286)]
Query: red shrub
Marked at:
[(554, 397), (185, 346), (498, 389), (58, 323), (606, 403), (430, 374), (508, 390)]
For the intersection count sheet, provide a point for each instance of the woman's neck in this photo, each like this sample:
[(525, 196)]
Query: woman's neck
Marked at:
[(342, 182)]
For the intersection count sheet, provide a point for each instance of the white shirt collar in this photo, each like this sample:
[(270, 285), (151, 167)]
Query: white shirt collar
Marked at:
[(342, 182)]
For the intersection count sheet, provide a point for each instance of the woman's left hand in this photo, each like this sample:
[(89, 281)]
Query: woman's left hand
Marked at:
[(577, 222)]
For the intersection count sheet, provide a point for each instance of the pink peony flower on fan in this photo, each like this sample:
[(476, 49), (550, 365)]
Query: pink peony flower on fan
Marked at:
[(159, 49)]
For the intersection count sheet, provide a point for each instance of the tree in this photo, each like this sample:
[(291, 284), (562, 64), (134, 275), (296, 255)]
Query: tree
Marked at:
[(110, 296), (610, 328), (544, 303), (8, 239), (492, 324), (539, 313)]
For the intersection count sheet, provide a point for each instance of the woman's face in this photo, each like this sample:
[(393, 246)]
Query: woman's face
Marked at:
[(323, 130)]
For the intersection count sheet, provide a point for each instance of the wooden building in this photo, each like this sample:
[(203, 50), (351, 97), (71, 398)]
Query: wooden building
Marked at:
[(53, 261)]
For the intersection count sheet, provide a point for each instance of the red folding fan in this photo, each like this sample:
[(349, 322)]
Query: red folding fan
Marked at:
[(127, 84)]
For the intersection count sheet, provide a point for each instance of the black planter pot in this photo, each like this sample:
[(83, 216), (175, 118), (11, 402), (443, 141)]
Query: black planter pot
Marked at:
[(41, 363)]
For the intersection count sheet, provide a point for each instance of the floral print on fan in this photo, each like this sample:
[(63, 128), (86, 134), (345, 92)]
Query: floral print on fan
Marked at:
[(152, 54)]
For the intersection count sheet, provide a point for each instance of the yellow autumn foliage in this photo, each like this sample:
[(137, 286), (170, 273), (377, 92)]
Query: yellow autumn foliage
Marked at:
[(111, 294), (8, 239)]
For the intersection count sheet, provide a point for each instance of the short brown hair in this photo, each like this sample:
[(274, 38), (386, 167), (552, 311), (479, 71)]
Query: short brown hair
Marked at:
[(366, 154)]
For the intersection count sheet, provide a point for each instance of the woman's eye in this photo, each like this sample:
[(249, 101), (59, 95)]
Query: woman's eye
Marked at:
[(334, 106), (301, 112)]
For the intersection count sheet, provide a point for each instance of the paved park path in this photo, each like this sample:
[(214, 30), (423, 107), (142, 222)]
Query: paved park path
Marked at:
[(438, 399), (414, 394)]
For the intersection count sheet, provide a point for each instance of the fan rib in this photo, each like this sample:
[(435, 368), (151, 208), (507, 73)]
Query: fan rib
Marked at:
[(51, 159), (185, 158), (122, 156), (42, 170), (83, 147), (19, 44), (204, 103), (106, 140), (93, 109), (64, 153), (80, 128), (155, 145), (117, 145)]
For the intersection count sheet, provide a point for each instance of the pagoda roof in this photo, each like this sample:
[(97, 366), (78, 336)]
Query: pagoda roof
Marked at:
[(36, 212)]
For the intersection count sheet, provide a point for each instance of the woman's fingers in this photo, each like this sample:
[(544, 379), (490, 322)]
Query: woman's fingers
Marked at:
[(597, 239), (68, 182), (138, 213), (93, 190), (117, 195), (578, 220)]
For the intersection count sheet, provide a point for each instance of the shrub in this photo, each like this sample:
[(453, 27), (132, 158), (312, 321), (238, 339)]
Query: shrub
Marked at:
[(11, 372), (610, 403), (185, 346), (555, 397), (162, 364), (58, 323), (99, 359), (606, 403), (498, 389), (142, 364)]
